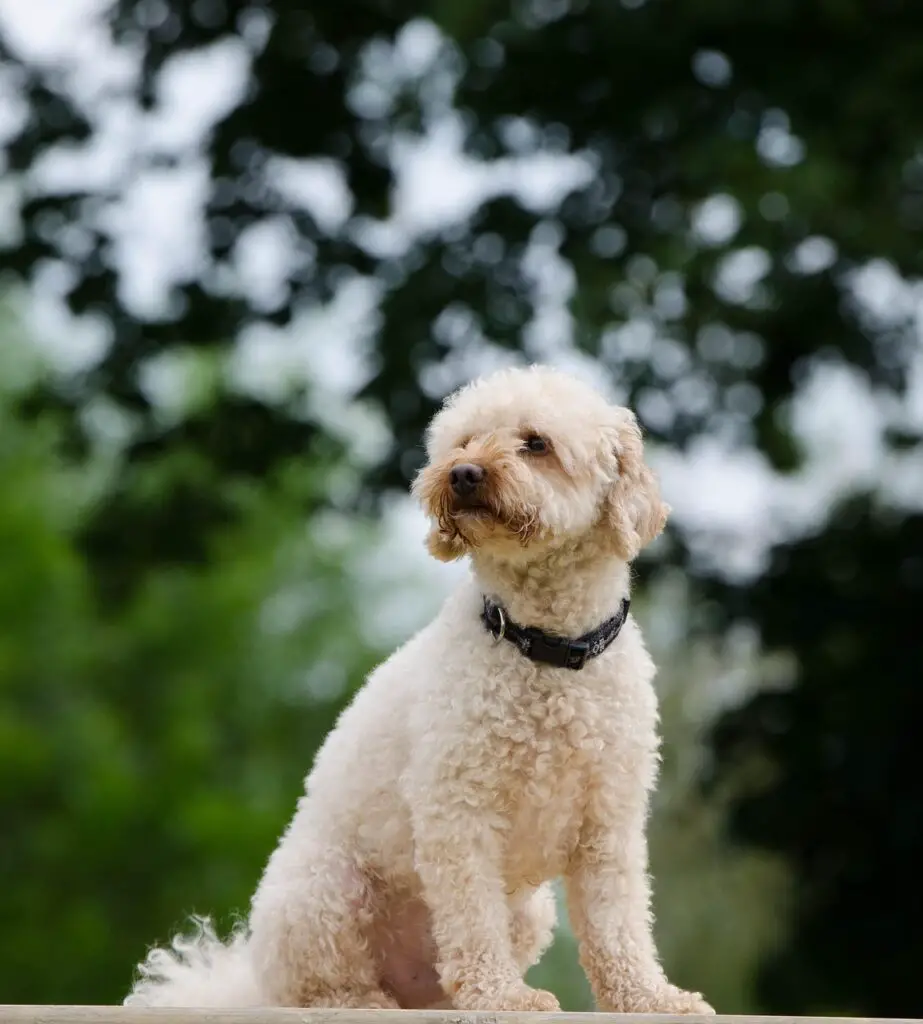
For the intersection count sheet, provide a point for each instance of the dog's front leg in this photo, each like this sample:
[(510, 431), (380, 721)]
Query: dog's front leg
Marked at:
[(458, 861), (609, 902)]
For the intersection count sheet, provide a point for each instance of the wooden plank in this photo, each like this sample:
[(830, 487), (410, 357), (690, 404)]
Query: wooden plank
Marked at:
[(133, 1015)]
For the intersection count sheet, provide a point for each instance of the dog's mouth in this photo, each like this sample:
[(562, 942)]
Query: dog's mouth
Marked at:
[(469, 505)]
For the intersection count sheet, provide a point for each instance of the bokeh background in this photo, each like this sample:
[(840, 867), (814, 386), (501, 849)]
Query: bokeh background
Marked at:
[(247, 247)]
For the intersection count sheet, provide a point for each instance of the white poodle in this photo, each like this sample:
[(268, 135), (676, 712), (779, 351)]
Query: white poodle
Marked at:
[(511, 741)]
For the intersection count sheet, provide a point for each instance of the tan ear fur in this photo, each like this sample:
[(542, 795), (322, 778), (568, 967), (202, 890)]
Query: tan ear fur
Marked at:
[(444, 547), (635, 513)]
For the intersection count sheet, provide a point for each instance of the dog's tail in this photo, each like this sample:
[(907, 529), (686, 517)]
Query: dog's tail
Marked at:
[(198, 970)]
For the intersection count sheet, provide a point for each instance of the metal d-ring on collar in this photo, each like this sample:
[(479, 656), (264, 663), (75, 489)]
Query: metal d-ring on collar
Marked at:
[(501, 626), (549, 648)]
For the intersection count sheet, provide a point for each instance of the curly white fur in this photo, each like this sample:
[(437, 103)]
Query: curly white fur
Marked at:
[(463, 776)]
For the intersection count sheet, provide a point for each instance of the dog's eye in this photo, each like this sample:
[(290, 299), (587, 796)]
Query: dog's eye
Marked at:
[(536, 445)]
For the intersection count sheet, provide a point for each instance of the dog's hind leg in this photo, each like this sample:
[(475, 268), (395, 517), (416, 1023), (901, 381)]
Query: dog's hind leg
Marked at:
[(309, 931), (532, 919)]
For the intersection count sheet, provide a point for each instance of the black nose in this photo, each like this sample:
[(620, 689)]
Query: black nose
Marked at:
[(466, 478)]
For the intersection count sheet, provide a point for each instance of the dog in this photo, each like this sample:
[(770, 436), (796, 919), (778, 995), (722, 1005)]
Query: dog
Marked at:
[(510, 742)]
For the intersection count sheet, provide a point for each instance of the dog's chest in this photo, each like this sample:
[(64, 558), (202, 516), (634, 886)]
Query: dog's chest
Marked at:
[(544, 828), (549, 744)]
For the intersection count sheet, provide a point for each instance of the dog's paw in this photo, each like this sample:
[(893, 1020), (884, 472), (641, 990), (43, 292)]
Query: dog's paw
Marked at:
[(675, 1000), (520, 998), (534, 999), (668, 1000)]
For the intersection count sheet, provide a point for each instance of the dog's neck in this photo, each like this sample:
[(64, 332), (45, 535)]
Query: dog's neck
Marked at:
[(569, 590)]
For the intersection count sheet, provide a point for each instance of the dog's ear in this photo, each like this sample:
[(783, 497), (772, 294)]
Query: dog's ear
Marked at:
[(444, 547), (634, 513)]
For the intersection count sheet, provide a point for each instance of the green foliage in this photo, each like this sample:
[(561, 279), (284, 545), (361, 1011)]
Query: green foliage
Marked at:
[(152, 749), (559, 969)]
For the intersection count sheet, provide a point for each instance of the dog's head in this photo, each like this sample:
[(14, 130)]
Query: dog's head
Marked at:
[(528, 458)]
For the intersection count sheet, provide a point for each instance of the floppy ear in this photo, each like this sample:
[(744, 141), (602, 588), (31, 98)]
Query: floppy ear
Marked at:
[(634, 513), (443, 544), (444, 547)]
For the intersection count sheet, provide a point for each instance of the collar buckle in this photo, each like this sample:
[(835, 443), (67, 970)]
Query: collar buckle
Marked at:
[(578, 651)]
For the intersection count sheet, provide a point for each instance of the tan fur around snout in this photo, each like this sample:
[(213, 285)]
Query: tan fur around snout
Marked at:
[(508, 515)]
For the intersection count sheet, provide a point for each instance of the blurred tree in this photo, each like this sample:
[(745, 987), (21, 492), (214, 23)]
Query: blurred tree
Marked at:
[(833, 762), (669, 105), (741, 166), (139, 738), (718, 908)]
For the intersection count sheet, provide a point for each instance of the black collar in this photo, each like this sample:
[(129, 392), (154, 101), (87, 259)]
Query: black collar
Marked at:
[(550, 648)]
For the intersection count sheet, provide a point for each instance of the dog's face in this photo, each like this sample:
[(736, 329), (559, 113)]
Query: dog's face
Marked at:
[(527, 458)]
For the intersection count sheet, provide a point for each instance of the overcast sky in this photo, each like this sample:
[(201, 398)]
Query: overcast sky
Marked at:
[(729, 501)]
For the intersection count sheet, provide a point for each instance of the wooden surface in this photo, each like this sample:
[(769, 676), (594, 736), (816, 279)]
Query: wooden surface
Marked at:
[(131, 1015)]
